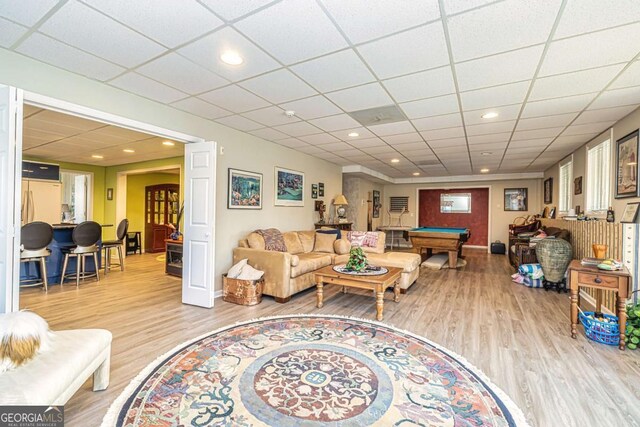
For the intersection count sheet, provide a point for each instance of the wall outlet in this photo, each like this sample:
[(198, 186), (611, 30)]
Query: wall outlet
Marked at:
[(221, 150)]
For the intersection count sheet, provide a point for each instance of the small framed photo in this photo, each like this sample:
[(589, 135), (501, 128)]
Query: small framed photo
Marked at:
[(109, 193), (321, 189), (552, 213), (627, 166), (548, 191), (245, 190), (577, 186), (630, 213), (515, 199), (314, 191), (289, 186)]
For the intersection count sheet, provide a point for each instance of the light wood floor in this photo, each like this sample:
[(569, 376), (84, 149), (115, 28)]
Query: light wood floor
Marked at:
[(518, 336)]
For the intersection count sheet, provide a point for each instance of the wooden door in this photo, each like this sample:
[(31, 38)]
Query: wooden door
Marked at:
[(161, 208)]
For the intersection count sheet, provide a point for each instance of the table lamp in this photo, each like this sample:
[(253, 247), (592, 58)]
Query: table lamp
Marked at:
[(340, 202)]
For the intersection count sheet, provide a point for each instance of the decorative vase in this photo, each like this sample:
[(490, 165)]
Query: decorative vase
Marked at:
[(599, 251), (357, 260), (554, 256)]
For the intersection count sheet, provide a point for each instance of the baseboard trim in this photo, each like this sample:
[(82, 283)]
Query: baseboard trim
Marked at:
[(475, 247), (592, 301)]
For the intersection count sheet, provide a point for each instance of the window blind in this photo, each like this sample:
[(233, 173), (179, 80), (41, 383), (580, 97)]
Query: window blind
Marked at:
[(397, 203), (566, 171), (598, 188)]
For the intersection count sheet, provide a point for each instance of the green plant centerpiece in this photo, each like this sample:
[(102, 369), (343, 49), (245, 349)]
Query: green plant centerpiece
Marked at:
[(357, 260), (633, 326)]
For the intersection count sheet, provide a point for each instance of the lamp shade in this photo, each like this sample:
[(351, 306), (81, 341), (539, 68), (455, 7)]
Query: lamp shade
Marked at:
[(340, 200)]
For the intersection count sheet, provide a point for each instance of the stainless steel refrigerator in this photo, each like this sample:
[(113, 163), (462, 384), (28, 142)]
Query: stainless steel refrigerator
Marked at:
[(41, 201)]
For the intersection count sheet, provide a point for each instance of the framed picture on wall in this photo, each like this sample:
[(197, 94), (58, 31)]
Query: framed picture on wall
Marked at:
[(321, 189), (245, 190), (630, 213), (314, 191), (577, 186), (289, 185), (515, 199), (109, 193), (627, 166), (376, 204), (548, 191)]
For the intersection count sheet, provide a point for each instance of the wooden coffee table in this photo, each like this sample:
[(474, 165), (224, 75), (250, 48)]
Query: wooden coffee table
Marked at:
[(376, 283)]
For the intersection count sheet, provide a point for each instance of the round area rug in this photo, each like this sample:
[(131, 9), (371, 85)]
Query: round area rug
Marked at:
[(310, 370)]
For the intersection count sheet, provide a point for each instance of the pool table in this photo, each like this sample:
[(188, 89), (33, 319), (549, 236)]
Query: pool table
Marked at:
[(448, 239)]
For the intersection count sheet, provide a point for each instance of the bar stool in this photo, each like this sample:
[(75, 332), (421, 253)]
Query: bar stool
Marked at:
[(121, 234), (85, 237), (35, 237)]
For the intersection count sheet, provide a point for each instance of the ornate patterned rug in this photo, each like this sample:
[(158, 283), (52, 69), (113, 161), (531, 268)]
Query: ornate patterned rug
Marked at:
[(312, 371)]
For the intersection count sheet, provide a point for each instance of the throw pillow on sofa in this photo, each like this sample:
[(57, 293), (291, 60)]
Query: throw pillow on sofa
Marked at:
[(23, 335), (330, 231), (324, 243)]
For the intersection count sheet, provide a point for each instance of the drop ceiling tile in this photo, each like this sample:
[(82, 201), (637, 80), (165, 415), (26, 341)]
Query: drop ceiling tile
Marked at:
[(10, 32), (576, 83), (311, 108), (310, 149), (430, 107), (25, 12), (270, 116), (159, 20), (361, 97), (234, 98), (579, 16), (293, 31), (404, 138), (456, 6), (356, 18), (472, 37), (618, 97), (176, 71), (452, 153), (239, 122), (279, 86), (630, 77), (392, 128), (604, 115), (491, 138), (143, 86), (425, 84), (589, 128), (233, 9), (269, 134), (538, 142), (536, 133), (507, 112), (298, 129), (334, 123), (412, 146), (336, 71), (447, 142), (379, 150), (564, 141), (591, 50), (83, 27), (512, 93), (319, 139), (442, 133), (207, 51), (60, 55), (499, 69), (559, 120), (201, 108), (363, 133), (292, 142), (336, 146), (492, 147), (568, 104), (367, 142), (410, 51), (491, 128), (438, 122), (523, 150)]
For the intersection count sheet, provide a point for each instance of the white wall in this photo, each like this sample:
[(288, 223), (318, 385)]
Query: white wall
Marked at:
[(242, 151)]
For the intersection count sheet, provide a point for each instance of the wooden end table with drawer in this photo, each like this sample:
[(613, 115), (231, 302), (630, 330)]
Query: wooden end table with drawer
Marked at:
[(592, 277)]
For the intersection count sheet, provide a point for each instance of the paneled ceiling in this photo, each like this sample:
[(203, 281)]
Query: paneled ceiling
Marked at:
[(64, 138), (556, 72)]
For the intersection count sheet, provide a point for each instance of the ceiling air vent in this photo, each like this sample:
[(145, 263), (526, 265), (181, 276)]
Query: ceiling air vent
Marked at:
[(433, 162), (378, 115)]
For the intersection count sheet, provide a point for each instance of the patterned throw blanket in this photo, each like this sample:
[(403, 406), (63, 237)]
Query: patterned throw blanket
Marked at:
[(363, 239), (273, 240)]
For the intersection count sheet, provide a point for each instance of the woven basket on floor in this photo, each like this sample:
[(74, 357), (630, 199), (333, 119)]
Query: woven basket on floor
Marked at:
[(243, 292), (554, 255)]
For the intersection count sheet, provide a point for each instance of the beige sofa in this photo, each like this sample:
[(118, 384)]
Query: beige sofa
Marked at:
[(287, 273)]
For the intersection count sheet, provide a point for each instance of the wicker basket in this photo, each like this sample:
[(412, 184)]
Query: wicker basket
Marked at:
[(243, 292)]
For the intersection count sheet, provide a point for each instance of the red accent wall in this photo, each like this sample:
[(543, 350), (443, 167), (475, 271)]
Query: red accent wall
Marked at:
[(477, 221)]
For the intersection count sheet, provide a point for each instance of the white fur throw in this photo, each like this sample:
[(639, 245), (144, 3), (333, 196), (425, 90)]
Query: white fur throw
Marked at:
[(23, 334), (250, 273), (236, 269)]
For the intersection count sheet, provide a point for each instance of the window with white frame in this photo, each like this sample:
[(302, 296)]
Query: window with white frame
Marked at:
[(598, 188), (566, 173)]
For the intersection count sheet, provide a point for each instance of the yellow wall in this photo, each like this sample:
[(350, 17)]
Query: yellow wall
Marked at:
[(136, 196)]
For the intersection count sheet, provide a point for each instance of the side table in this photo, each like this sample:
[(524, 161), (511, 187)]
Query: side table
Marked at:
[(592, 277)]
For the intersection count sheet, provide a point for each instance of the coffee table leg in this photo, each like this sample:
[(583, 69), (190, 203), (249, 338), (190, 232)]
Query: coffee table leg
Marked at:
[(622, 319), (344, 289), (319, 293), (379, 304), (396, 291), (574, 311)]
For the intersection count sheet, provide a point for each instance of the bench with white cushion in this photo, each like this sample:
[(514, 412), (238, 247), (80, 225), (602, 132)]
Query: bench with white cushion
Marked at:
[(53, 376)]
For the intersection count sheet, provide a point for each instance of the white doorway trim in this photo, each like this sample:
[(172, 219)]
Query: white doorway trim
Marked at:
[(456, 187)]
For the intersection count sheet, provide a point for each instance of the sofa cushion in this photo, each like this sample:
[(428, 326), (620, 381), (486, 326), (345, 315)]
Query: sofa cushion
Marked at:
[(309, 262), (341, 246), (292, 241), (327, 230), (255, 241), (307, 238), (405, 260), (324, 243)]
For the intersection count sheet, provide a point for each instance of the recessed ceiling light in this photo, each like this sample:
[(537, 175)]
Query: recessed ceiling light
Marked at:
[(169, 143), (129, 150), (97, 156), (290, 113), (354, 134), (416, 174), (486, 153), (484, 170), (395, 160), (231, 57), (490, 115)]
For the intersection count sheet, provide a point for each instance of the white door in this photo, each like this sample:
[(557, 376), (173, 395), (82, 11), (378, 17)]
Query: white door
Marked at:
[(199, 222), (10, 195)]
